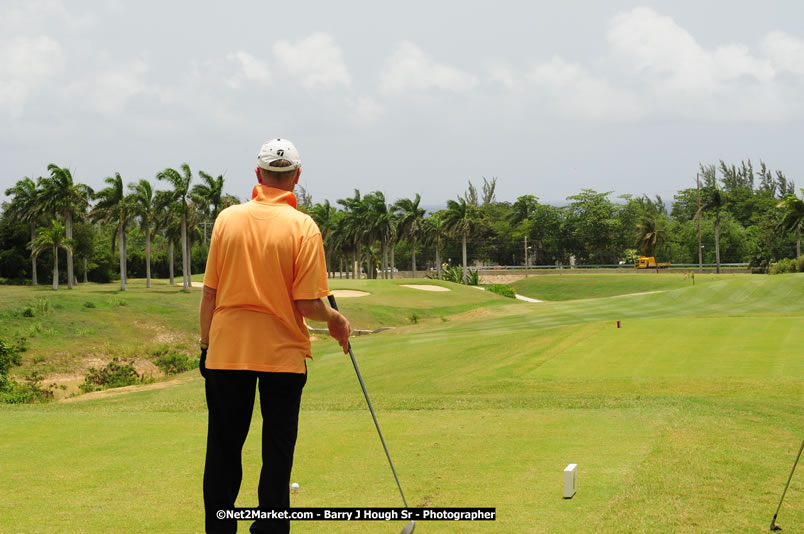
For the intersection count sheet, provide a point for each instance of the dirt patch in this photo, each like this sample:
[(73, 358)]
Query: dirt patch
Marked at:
[(422, 287), (349, 293), (127, 389), (500, 278), (192, 284), (162, 335)]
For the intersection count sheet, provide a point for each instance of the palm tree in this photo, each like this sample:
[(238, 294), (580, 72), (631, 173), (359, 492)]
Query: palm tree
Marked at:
[(461, 219), (793, 218), (353, 228), (181, 190), (434, 233), (25, 207), (410, 223), (714, 200), (144, 206), (61, 195), (649, 235), (324, 217), (168, 223), (114, 207), (381, 225), (209, 196), (53, 237)]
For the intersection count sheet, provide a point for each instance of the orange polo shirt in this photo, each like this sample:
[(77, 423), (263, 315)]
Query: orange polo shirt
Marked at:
[(263, 256)]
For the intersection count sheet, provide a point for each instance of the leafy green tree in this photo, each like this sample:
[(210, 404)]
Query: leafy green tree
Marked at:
[(209, 194), (792, 218), (168, 224), (143, 205), (324, 216), (381, 225), (53, 237), (461, 218), (353, 228), (26, 207), (714, 200), (410, 223), (180, 196), (435, 231), (592, 219), (60, 194), (114, 207)]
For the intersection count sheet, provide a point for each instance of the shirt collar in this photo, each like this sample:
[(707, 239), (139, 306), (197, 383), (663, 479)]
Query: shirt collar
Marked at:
[(271, 195)]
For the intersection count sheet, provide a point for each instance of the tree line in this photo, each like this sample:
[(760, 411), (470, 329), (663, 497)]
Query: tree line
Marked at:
[(733, 213)]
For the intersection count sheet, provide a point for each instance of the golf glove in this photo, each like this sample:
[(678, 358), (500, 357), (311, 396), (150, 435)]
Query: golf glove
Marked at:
[(202, 363)]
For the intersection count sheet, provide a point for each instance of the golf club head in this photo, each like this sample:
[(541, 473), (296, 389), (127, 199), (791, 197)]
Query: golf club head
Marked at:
[(409, 528), (774, 526)]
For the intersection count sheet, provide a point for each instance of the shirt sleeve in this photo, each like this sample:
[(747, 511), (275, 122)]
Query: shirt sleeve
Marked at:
[(211, 272), (310, 269)]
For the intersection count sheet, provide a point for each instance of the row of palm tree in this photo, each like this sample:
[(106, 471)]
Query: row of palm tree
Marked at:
[(57, 197), (369, 221)]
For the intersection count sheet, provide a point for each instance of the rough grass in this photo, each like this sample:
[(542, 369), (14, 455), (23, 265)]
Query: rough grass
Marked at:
[(686, 419)]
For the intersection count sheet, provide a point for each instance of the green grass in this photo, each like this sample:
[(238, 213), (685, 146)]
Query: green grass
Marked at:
[(686, 419), (584, 285), (65, 330)]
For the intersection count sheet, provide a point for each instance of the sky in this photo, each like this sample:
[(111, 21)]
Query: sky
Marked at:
[(405, 97)]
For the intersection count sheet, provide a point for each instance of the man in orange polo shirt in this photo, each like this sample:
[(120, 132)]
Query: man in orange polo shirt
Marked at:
[(265, 273)]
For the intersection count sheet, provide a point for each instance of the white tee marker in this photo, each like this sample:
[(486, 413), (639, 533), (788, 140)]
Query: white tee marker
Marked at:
[(570, 480)]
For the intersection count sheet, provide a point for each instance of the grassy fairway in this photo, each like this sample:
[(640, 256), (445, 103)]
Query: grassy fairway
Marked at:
[(587, 286), (686, 419)]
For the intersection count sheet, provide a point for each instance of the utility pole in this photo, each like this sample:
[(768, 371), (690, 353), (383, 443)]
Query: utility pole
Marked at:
[(700, 213), (526, 256)]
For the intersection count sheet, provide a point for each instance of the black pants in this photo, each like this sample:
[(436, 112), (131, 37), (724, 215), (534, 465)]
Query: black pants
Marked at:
[(230, 400)]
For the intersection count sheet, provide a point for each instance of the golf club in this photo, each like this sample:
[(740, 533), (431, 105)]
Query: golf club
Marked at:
[(412, 524), (774, 526)]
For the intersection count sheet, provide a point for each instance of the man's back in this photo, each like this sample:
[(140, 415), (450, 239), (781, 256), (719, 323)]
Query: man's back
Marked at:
[(264, 255)]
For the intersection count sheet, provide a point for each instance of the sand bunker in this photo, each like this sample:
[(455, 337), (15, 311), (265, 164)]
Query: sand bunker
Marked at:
[(425, 288), (349, 293)]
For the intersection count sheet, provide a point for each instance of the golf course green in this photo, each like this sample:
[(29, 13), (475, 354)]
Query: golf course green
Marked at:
[(687, 418)]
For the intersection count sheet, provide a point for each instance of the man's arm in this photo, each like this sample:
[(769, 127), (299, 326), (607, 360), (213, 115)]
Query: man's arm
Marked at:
[(207, 307), (339, 327)]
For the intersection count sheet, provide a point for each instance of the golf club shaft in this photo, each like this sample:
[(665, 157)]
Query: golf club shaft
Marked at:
[(788, 484), (334, 305)]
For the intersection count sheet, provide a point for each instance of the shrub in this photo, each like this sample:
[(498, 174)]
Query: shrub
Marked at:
[(175, 362), (28, 312), (89, 304), (502, 289), (29, 391), (801, 264), (9, 357), (413, 318), (785, 265), (114, 375), (455, 274)]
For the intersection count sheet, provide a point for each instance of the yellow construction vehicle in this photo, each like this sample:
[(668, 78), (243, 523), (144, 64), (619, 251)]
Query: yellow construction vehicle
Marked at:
[(649, 262)]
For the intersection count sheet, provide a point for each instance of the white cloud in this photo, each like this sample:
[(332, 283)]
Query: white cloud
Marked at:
[(36, 15), (652, 44), (251, 68), (409, 68), (577, 93), (25, 65), (316, 60), (503, 76), (786, 52), (113, 88), (367, 109)]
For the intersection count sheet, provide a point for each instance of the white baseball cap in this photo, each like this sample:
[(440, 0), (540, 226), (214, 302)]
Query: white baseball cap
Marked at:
[(277, 149)]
